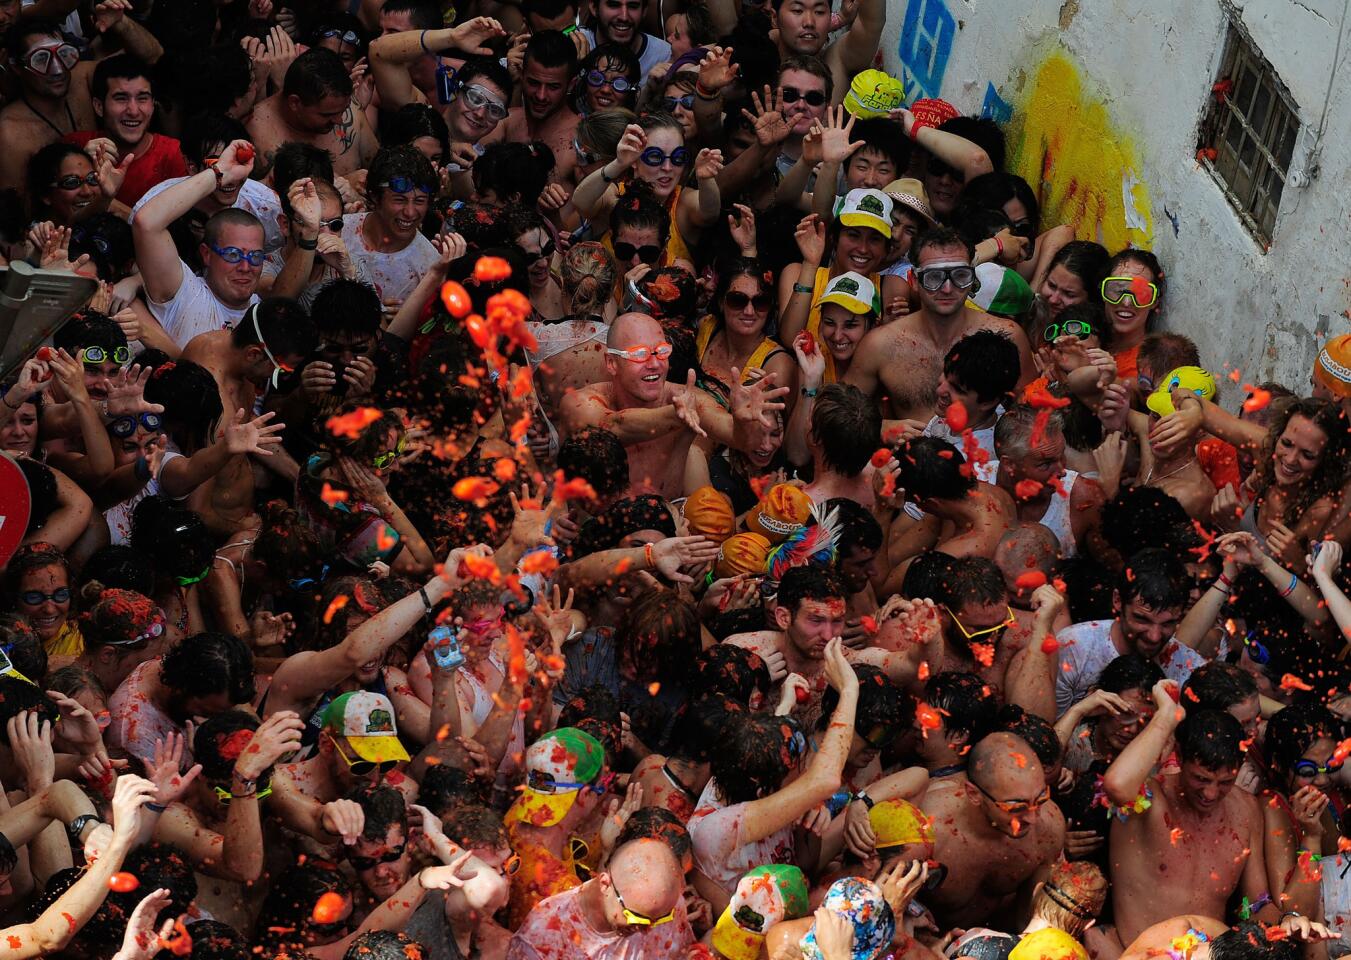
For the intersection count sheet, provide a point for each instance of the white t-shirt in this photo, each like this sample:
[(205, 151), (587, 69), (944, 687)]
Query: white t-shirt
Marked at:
[(395, 275), (719, 848), (1086, 649), (194, 309), (257, 198)]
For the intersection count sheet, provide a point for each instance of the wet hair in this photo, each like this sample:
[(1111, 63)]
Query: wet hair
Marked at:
[(346, 306), (639, 209), (729, 671), (485, 68), (965, 701), (1165, 352), (363, 599), (16, 696), (385, 945), (1294, 729), (931, 468), (993, 190), (806, 63), (1328, 477), (1210, 738), (623, 519), (215, 940), (413, 121), (616, 58), (1218, 686), (1249, 940), (315, 74), (116, 618), (847, 423), (599, 133), (174, 536), (1087, 261), (927, 575), (811, 581), (288, 908), (474, 826), (755, 757), (1143, 515), (208, 664), (402, 161), (28, 558), (515, 172), (552, 48), (1020, 425), (974, 580), (881, 703), (698, 730), (658, 823), (594, 707), (1130, 671), (588, 278), (90, 329), (284, 544), (597, 456), (1088, 588), (191, 401), (1033, 730), (286, 328), (445, 788), (294, 161), (220, 740), (422, 14), (1072, 896), (212, 129), (940, 237), (23, 647), (106, 238), (659, 637), (383, 807), (43, 169), (986, 362), (857, 528), (1155, 578)]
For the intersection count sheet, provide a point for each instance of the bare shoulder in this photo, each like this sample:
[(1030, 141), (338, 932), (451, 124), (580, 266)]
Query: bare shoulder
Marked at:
[(585, 406), (760, 641), (978, 319)]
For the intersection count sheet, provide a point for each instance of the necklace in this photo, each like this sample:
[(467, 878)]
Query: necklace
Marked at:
[(45, 119), (1150, 478)]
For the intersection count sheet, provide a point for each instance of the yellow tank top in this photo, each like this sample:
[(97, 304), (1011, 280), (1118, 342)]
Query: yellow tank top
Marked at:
[(819, 284), (708, 326), (68, 642)]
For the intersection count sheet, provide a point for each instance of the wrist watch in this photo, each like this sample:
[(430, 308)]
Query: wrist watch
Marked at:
[(867, 800), (76, 826)]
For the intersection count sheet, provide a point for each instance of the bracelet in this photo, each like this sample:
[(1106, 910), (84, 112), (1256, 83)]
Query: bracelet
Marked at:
[(1224, 590), (426, 600), (304, 244), (1290, 587), (915, 128), (156, 807), (5, 398), (607, 178), (1224, 580), (649, 557), (220, 177), (999, 244), (810, 392), (703, 93), (803, 288), (867, 800), (422, 39)]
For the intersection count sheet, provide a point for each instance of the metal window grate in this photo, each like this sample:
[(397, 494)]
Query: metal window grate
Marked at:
[(1248, 134)]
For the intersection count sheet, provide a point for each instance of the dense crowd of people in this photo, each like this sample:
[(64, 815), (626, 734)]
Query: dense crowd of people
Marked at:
[(578, 482)]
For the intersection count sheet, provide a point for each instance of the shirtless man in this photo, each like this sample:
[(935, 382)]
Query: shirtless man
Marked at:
[(314, 106), (53, 97), (1200, 840), (273, 335), (544, 114), (997, 835), (957, 513), (656, 420), (846, 428), (904, 359)]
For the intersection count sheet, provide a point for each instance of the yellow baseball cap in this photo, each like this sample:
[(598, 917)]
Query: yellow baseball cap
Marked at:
[(365, 723), (765, 896), (851, 290), (867, 208), (874, 93), (1196, 379), (558, 767)]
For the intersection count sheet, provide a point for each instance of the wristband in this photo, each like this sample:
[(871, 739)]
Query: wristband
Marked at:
[(810, 392), (304, 244), (220, 177), (422, 39), (1222, 579), (703, 93), (999, 244), (604, 175), (649, 557), (1290, 587), (803, 288), (6, 399), (1222, 589), (867, 800), (426, 600), (156, 807)]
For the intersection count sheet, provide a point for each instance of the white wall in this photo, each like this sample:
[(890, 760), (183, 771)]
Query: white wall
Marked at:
[(1150, 65)]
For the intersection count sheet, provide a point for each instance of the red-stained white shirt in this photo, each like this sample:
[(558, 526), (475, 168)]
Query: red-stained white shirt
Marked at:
[(557, 929)]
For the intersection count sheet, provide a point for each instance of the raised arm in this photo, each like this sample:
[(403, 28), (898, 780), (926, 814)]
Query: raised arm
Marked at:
[(1325, 565), (595, 195), (1126, 777), (795, 289), (957, 152), (68, 521), (1031, 674), (390, 55), (855, 50), (182, 475)]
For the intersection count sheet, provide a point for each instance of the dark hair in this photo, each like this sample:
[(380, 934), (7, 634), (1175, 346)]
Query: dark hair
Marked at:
[(617, 58), (315, 74), (659, 637), (659, 823), (120, 66), (551, 48), (285, 328), (175, 537), (16, 696), (340, 22), (1328, 477), (402, 161), (1145, 259), (203, 132), (881, 703), (156, 865), (807, 63), (698, 730), (847, 423), (1035, 731), (965, 701), (422, 14), (597, 456), (485, 68), (294, 161), (886, 137), (288, 908), (23, 647), (983, 132), (112, 617), (752, 761), (1218, 686), (413, 121), (384, 945), (383, 806), (25, 27), (346, 306), (976, 224), (1130, 671), (1210, 738), (220, 740), (445, 788), (43, 169), (106, 238), (993, 190), (1165, 352), (811, 581), (1249, 940), (974, 579), (940, 237), (927, 575), (474, 825), (1143, 515), (1156, 578), (639, 209), (1292, 730), (549, 9), (42, 493), (191, 401), (733, 268), (624, 518), (931, 468), (89, 329), (984, 361), (857, 528), (215, 940), (1091, 314), (515, 172), (1087, 261), (1088, 588), (30, 557), (754, 54), (731, 672), (209, 664), (211, 81)]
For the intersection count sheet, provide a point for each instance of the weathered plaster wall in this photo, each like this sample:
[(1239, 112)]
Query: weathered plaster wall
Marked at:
[(1102, 101)]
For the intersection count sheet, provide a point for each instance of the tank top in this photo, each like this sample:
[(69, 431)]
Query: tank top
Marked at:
[(676, 248), (767, 348), (819, 284), (1057, 516)]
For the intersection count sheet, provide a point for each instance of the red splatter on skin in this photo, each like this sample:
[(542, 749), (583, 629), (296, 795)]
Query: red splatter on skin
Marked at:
[(881, 457), (1027, 489), (70, 921), (244, 153), (351, 424), (123, 883), (455, 299), (1292, 682), (328, 908), (1030, 580), (956, 416), (1173, 691), (14, 942), (1020, 759)]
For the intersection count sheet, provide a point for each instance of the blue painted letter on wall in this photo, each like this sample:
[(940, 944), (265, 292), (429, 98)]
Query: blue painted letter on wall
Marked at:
[(926, 44), (994, 107)]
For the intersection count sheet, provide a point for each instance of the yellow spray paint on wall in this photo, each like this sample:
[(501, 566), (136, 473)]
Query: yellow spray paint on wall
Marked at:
[(1084, 172)]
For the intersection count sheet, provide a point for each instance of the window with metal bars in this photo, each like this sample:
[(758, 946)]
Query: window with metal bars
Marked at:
[(1248, 134)]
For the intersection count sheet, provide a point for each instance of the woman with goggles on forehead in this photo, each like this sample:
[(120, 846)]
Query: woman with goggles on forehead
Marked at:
[(1132, 294), (653, 151)]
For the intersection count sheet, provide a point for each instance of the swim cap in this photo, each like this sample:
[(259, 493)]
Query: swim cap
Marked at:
[(709, 514), (784, 509), (1196, 379), (742, 553), (1333, 367)]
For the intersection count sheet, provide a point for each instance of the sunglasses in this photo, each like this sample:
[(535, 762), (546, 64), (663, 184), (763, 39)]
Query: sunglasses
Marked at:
[(359, 767), (670, 103), (278, 368), (305, 583), (737, 301), (1025, 229), (1070, 328), (36, 598), (124, 427), (405, 185), (332, 226), (543, 783), (1018, 806), (479, 98), (648, 253), (1141, 292), (511, 866), (361, 864), (972, 634), (346, 36), (813, 98), (637, 919), (189, 581), (383, 460), (1308, 769), (933, 278), (655, 157), (879, 737), (103, 355), (71, 182), (225, 796), (595, 78), (661, 351), (43, 59), (234, 255)]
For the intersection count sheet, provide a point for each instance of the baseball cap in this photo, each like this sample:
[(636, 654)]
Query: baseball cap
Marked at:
[(365, 720), (898, 822), (982, 943), (1196, 379), (932, 112), (1002, 291), (861, 902), (909, 192), (765, 896), (867, 208), (1332, 368), (563, 756), (851, 290), (1048, 943), (873, 93)]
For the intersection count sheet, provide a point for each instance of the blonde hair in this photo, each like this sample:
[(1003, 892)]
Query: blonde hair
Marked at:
[(599, 133), (1071, 897), (588, 274)]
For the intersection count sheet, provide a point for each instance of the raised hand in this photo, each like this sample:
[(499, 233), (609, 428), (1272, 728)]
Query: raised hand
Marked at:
[(130, 794), (788, 697), (1047, 601), (34, 377), (112, 172), (472, 36), (836, 147), (555, 616), (30, 740), (343, 818), (716, 70), (768, 122), (617, 814), (234, 171), (79, 729), (630, 146), (165, 770), (333, 252), (901, 883), (447, 876), (449, 248), (686, 405), (756, 402), (1226, 510), (1327, 560), (141, 940), (69, 372), (838, 670), (306, 207), (109, 13), (1240, 548), (279, 52), (707, 164), (834, 934), (885, 489), (269, 629), (741, 225), (255, 436), (673, 553), (811, 238), (1115, 407), (279, 736)]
